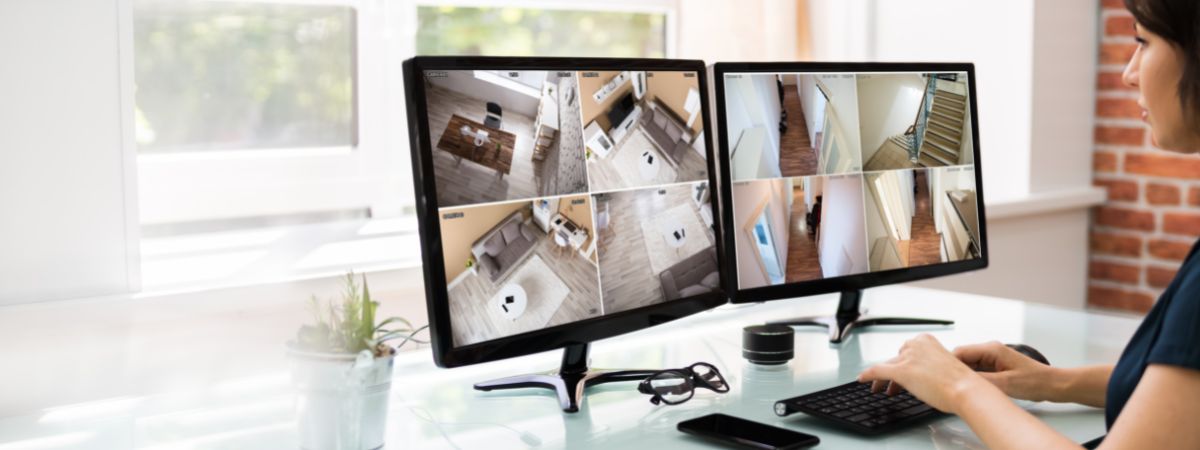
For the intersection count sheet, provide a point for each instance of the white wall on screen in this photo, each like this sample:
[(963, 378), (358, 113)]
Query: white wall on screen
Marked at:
[(843, 94), (843, 234), (813, 104)]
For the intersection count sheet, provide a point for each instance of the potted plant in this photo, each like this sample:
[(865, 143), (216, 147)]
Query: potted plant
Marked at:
[(342, 369), (471, 264)]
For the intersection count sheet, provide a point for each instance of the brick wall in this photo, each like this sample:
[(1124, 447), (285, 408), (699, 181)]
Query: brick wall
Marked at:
[(1150, 221)]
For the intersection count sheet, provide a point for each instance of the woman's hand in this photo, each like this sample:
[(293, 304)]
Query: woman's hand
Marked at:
[(930, 372), (1017, 375)]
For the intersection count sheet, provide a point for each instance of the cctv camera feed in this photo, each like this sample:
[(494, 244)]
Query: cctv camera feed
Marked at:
[(839, 174), (568, 195)]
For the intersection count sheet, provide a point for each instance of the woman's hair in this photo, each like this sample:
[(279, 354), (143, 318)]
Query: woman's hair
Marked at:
[(1177, 21)]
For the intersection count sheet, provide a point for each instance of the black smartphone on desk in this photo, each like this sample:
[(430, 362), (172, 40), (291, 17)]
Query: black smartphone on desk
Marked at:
[(743, 433)]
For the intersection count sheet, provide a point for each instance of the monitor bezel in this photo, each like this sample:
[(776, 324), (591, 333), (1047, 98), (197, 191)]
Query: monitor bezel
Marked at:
[(445, 353), (847, 282)]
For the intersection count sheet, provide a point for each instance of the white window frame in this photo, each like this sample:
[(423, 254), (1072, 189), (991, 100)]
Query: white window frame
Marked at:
[(371, 175), (263, 182)]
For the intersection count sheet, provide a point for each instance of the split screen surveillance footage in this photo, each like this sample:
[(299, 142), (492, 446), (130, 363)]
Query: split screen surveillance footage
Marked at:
[(838, 174), (564, 196)]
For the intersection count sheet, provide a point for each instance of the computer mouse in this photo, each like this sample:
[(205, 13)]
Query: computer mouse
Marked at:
[(1030, 352)]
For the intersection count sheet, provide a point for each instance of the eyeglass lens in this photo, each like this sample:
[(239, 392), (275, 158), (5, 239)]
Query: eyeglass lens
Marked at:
[(673, 387)]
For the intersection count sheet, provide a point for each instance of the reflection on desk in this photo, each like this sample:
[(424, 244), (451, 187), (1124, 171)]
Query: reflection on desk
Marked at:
[(435, 408)]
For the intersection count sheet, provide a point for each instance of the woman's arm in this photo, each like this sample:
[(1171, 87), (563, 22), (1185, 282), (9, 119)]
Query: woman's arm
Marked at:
[(1162, 413), (1021, 377), (937, 377), (1086, 385), (1001, 424)]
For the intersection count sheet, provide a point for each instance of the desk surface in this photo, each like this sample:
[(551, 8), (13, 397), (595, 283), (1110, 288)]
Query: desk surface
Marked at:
[(257, 412)]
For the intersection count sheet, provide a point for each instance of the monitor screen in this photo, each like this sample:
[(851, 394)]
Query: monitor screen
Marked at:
[(840, 174), (564, 196)]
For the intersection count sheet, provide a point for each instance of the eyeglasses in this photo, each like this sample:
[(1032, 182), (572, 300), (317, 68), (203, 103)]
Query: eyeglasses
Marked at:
[(675, 386)]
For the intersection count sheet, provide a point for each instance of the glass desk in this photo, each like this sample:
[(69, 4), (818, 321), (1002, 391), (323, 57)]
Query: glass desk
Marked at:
[(435, 408)]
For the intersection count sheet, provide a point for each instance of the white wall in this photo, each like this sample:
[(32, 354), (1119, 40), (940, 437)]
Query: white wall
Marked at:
[(753, 101), (813, 104), (887, 105), (747, 198), (842, 227), (64, 231), (744, 30), (843, 95)]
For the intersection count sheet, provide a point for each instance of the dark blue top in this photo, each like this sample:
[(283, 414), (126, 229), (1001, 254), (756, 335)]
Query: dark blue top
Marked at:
[(1169, 335)]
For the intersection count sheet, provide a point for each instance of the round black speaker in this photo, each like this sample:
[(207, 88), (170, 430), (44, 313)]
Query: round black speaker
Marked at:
[(768, 344)]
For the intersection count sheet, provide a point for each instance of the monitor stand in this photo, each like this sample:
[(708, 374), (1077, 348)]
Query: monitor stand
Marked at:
[(849, 317), (569, 381)]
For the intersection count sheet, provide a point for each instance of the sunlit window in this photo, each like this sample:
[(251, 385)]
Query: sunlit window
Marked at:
[(449, 30), (222, 75)]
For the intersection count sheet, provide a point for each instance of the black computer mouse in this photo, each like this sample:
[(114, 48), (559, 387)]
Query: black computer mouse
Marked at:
[(1030, 352)]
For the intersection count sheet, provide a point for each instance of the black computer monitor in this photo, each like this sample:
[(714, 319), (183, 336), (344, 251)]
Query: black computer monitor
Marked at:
[(842, 176), (545, 225)]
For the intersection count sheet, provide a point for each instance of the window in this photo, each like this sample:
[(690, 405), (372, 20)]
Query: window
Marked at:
[(236, 76), (450, 30), (270, 133)]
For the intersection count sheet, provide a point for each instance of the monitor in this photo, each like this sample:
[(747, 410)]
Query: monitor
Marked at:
[(548, 221), (842, 176)]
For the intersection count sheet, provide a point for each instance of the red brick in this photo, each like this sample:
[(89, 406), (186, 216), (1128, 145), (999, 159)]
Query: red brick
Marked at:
[(1187, 224), (1168, 249), (1104, 162), (1116, 244), (1102, 270), (1120, 135), (1119, 298), (1133, 219), (1119, 25), (1119, 108), (1116, 53), (1163, 165), (1160, 277), (1163, 194), (1111, 81), (1122, 190), (1113, 4), (1194, 196)]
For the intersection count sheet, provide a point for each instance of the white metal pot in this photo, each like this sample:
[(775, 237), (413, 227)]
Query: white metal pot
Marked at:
[(342, 399)]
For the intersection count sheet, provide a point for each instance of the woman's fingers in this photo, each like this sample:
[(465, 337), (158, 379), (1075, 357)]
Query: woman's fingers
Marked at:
[(978, 356)]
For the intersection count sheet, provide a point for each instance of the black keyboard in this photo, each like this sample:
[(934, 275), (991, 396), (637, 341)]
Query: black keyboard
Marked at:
[(853, 406)]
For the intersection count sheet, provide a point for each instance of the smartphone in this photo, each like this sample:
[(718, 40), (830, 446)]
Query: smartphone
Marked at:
[(743, 433)]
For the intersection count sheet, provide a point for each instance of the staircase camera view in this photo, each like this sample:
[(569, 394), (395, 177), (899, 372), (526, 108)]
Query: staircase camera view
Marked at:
[(642, 128), (791, 125), (842, 173), (498, 137), (912, 120), (528, 243)]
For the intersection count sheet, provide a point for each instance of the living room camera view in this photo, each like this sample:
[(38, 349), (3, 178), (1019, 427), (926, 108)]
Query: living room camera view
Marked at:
[(565, 196), (642, 128), (911, 120), (519, 266), (922, 216), (656, 245), (790, 125), (798, 229), (504, 135)]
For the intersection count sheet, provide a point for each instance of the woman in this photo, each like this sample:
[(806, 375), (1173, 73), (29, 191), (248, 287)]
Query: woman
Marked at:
[(1151, 397)]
